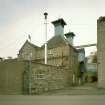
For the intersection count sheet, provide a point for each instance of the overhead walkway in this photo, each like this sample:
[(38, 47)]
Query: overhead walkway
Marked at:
[(87, 45)]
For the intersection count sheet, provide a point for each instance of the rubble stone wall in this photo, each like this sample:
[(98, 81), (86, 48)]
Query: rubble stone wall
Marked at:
[(47, 77)]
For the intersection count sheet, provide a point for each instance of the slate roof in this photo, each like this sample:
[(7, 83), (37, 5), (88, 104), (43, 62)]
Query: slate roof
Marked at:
[(34, 46), (56, 41)]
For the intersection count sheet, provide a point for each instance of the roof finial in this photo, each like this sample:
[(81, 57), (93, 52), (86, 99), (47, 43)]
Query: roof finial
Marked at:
[(29, 37)]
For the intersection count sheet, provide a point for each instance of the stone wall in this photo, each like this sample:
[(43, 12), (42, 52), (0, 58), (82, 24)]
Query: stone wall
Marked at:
[(11, 76), (46, 78), (56, 56), (101, 51), (64, 55), (14, 77)]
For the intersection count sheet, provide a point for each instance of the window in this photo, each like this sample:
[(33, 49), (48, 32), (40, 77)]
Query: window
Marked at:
[(38, 76), (50, 52)]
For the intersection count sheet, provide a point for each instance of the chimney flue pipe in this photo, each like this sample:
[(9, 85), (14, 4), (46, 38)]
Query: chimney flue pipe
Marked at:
[(45, 14)]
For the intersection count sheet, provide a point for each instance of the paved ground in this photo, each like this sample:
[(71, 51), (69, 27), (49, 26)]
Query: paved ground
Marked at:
[(53, 100), (87, 89), (76, 91), (82, 95)]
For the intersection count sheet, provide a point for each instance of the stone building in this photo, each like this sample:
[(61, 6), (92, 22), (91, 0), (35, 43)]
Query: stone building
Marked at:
[(101, 51), (60, 49), (29, 71)]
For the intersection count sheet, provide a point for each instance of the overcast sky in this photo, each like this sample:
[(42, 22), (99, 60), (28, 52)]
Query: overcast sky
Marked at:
[(18, 18)]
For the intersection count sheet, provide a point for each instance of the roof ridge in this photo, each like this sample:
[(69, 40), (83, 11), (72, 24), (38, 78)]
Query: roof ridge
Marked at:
[(33, 44)]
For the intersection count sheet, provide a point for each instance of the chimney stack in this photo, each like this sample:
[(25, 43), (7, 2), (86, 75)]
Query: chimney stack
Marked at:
[(70, 37), (59, 26)]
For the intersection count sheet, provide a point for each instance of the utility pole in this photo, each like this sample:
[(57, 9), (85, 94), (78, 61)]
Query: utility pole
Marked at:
[(45, 14)]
